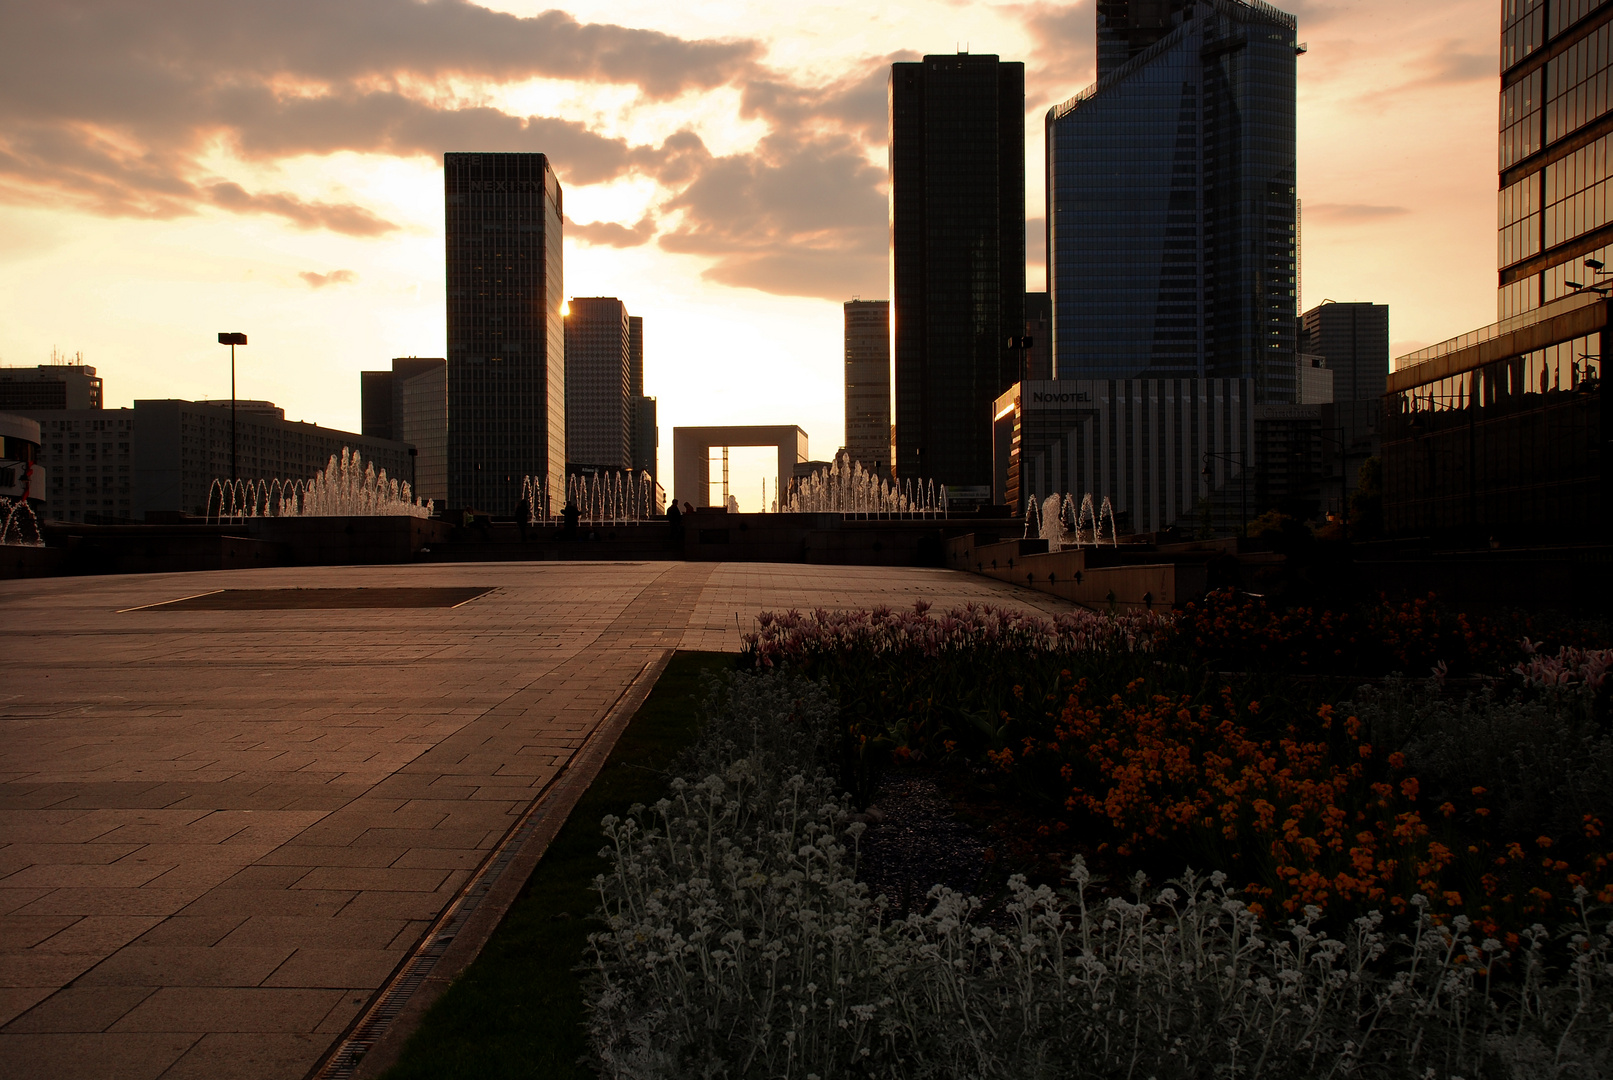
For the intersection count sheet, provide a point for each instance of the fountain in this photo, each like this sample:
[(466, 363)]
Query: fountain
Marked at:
[(845, 487), (1062, 522), (18, 525), (348, 486), (604, 499)]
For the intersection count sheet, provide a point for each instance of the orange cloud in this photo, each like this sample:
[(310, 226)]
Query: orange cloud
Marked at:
[(335, 277)]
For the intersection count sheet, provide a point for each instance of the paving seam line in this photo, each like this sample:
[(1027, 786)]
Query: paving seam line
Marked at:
[(375, 1038)]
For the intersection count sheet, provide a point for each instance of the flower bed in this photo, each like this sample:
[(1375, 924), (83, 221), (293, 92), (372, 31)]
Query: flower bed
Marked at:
[(740, 943), (1116, 734)]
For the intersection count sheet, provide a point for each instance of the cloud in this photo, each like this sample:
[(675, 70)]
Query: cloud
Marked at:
[(118, 108), (1036, 240), (854, 105), (1064, 57), (126, 109), (803, 216), (610, 234), (335, 277), (338, 217), (1352, 213)]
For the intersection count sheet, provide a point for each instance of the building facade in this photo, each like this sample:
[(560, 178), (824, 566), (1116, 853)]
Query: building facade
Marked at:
[(112, 465), (1171, 211), (409, 404), (646, 433), (506, 341), (599, 383), (957, 234), (90, 456), (1158, 449), (49, 386), (868, 384), (1554, 220), (1501, 433), (1037, 363), (1353, 340), (22, 476)]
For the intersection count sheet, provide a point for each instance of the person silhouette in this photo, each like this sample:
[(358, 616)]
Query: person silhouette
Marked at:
[(571, 515), (674, 520)]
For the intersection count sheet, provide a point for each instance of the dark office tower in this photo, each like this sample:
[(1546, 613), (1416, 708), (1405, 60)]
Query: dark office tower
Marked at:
[(646, 435), (868, 384), (1171, 207), (1555, 214), (409, 404), (1127, 27), (506, 344), (1038, 359), (1354, 340), (957, 174), (599, 403), (635, 356)]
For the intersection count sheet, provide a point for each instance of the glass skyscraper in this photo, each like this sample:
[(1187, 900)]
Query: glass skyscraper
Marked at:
[(506, 340), (1555, 208), (957, 220), (1170, 186)]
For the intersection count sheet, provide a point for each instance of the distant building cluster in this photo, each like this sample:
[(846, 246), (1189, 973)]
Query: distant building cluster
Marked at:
[(161, 457)]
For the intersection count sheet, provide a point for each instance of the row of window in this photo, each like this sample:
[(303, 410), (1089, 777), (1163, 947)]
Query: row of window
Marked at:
[(1576, 84), (1570, 91), (1561, 368)]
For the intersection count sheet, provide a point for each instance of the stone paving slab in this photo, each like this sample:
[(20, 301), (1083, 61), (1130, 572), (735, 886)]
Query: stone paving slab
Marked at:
[(221, 831)]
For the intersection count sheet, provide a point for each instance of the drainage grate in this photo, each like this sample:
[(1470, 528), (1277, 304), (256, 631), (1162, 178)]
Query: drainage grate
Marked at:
[(304, 599)]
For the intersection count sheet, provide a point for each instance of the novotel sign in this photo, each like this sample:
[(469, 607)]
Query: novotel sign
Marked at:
[(1068, 397)]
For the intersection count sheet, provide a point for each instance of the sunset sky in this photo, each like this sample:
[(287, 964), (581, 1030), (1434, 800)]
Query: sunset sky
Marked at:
[(172, 169)]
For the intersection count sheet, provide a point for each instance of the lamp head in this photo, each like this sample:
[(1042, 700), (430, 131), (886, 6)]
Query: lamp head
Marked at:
[(232, 339)]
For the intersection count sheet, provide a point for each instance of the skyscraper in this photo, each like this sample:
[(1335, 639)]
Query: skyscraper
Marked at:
[(868, 384), (506, 342), (1038, 360), (957, 198), (1171, 216), (1354, 339), (409, 404), (1555, 216), (1127, 27), (599, 377), (646, 432)]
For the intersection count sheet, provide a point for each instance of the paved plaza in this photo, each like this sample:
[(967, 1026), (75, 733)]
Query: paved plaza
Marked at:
[(222, 830)]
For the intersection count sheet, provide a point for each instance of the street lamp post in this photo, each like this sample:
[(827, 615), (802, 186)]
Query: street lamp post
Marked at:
[(1244, 486), (232, 340)]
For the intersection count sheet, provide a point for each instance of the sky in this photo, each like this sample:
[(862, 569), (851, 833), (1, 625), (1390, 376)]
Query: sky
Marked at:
[(173, 168)]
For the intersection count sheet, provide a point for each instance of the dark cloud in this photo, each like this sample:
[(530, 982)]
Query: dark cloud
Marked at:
[(121, 107), (855, 104), (1353, 213), (783, 218), (335, 277), (337, 217), (1063, 59), (610, 234), (112, 106)]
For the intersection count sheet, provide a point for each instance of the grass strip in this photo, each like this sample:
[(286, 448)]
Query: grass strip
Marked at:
[(517, 1011)]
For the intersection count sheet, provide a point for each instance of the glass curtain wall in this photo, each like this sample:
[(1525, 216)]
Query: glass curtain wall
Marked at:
[(1555, 120), (1171, 207)]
